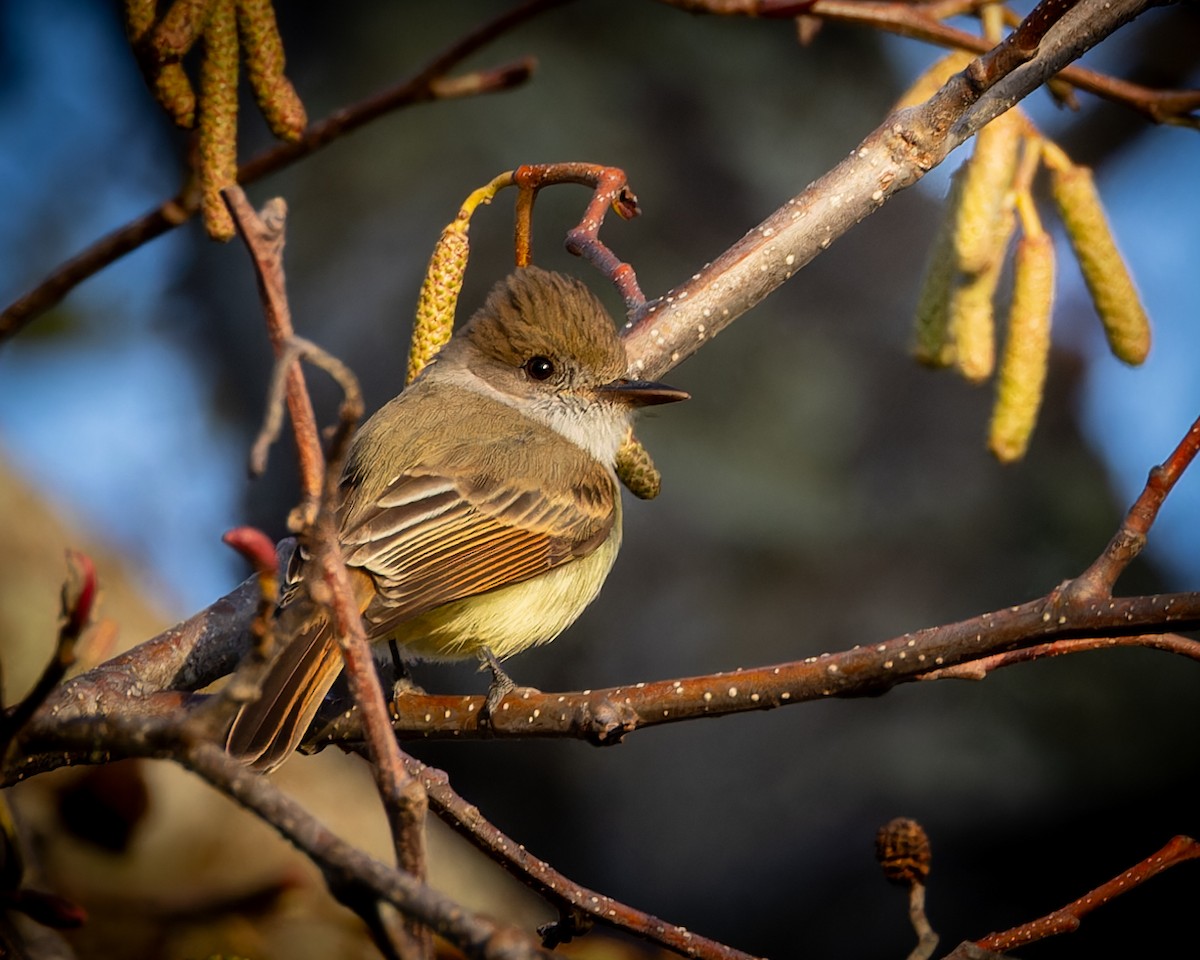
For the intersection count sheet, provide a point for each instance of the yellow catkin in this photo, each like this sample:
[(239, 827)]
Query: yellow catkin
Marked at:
[(139, 18), (180, 28), (979, 237), (173, 90), (169, 83), (1116, 298), (933, 79), (439, 296), (636, 470), (218, 118), (972, 313), (1022, 375), (263, 52), (444, 276), (932, 344)]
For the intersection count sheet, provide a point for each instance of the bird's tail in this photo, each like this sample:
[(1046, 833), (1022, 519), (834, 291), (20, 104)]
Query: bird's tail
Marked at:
[(266, 731)]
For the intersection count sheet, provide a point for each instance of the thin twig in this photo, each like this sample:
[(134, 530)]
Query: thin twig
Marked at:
[(927, 938), (980, 668), (295, 349), (1068, 918), (264, 235), (403, 797), (1130, 539), (212, 718), (610, 190), (923, 22), (570, 898), (345, 867)]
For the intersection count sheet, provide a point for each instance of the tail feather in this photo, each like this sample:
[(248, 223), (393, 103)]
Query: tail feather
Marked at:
[(266, 731)]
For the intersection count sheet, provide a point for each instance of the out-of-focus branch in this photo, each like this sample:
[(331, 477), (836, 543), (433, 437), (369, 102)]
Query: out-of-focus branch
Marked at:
[(78, 605), (431, 82), (355, 878), (923, 22)]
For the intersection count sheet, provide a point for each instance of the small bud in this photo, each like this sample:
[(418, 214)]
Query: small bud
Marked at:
[(1022, 375), (636, 470), (902, 849), (218, 118), (439, 296), (255, 547), (48, 909), (1104, 271), (78, 592)]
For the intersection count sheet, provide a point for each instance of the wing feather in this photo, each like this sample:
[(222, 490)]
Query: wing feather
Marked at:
[(429, 540)]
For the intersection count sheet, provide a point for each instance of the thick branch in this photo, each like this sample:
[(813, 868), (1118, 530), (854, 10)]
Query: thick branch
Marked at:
[(976, 646), (607, 715)]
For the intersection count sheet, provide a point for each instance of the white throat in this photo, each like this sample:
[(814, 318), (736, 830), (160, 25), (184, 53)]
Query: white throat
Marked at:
[(597, 426)]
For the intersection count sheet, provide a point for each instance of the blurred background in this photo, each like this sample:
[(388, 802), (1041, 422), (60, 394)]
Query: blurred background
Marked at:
[(820, 490)]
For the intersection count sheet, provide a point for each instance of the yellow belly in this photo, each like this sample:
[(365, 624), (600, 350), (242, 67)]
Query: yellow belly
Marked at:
[(514, 618)]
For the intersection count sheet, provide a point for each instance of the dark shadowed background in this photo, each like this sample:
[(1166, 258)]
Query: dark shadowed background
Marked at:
[(820, 490)]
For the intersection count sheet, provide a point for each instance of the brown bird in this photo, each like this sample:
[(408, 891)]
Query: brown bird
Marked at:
[(480, 511)]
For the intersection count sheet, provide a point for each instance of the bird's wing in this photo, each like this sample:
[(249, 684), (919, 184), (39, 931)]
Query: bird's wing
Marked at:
[(429, 539)]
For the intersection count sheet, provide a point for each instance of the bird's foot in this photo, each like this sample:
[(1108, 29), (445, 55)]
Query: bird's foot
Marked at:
[(402, 680), (502, 686)]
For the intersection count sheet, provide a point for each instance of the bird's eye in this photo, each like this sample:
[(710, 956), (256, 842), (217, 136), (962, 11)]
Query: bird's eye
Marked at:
[(539, 368)]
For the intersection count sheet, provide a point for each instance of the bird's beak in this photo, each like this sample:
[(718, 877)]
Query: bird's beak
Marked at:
[(641, 393)]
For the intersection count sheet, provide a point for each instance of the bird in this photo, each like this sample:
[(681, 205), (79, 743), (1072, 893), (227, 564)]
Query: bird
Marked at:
[(478, 511)]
